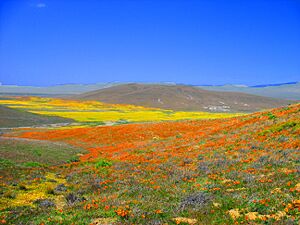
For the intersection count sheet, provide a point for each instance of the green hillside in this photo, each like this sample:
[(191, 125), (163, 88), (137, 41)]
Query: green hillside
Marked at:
[(16, 118)]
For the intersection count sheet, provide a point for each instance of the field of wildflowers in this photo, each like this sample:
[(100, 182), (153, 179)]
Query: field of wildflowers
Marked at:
[(94, 111), (242, 170)]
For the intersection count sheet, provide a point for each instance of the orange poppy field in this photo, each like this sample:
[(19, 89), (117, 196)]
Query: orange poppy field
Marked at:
[(241, 170)]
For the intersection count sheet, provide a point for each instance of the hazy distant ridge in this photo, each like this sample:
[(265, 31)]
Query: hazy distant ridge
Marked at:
[(289, 90)]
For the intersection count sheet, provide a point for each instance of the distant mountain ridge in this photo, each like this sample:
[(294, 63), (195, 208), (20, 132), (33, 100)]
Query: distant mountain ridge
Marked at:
[(271, 85), (64, 89), (181, 98), (289, 90), (239, 85)]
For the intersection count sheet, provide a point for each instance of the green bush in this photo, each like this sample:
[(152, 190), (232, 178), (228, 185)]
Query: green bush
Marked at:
[(103, 163), (73, 159), (271, 116)]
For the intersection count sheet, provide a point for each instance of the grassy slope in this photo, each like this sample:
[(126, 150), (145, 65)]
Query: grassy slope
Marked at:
[(21, 151), (18, 155), (239, 170), (17, 118)]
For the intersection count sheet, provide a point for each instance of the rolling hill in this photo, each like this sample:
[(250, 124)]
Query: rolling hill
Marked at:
[(182, 98)]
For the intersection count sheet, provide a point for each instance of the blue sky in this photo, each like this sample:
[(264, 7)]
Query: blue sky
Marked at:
[(48, 42)]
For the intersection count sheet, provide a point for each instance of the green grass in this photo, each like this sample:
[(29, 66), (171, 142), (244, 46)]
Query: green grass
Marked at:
[(32, 164), (291, 125), (36, 153), (5, 163)]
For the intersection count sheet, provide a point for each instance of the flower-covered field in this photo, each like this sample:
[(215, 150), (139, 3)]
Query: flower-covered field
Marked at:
[(242, 170), (94, 111)]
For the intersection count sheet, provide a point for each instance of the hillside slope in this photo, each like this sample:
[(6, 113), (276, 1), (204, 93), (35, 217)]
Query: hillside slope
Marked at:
[(242, 170), (16, 118), (183, 98)]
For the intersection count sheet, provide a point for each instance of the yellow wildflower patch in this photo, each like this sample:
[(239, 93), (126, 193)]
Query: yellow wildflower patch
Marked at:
[(94, 111), (234, 213), (256, 216), (34, 191), (179, 220)]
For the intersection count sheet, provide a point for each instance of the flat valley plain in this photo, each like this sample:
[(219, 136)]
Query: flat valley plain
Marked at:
[(124, 164)]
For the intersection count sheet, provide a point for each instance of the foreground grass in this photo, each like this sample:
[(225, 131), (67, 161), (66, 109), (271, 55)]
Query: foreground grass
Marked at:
[(232, 171)]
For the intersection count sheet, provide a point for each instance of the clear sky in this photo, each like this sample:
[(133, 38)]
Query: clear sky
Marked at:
[(48, 42)]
